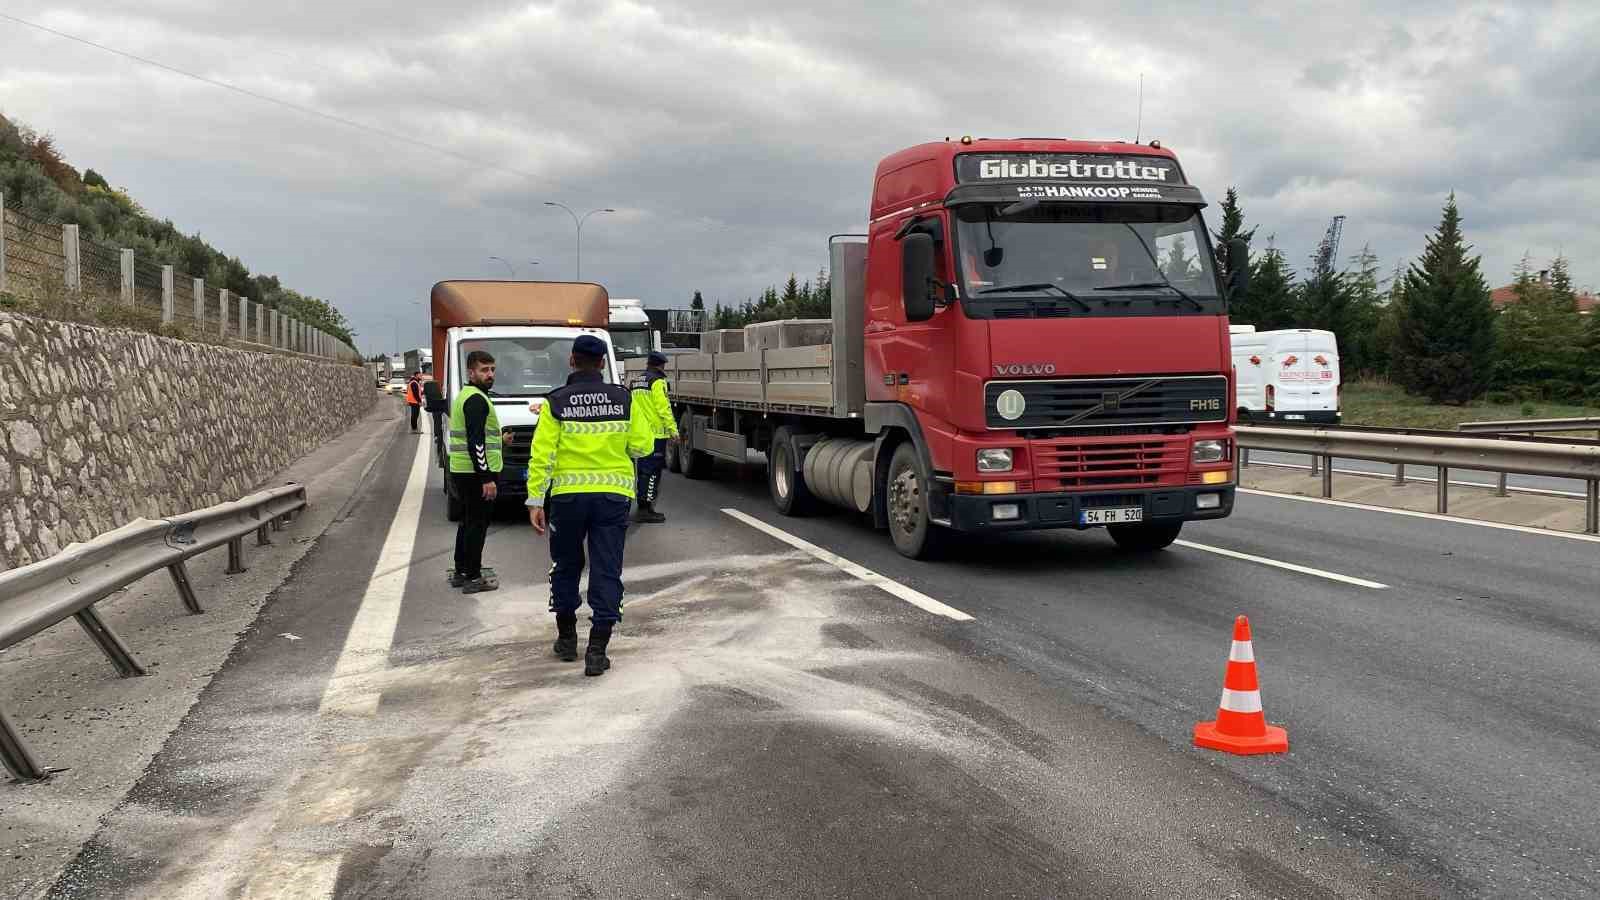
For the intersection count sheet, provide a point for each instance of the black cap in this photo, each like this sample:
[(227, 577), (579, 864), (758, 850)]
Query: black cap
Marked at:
[(589, 345), (656, 358)]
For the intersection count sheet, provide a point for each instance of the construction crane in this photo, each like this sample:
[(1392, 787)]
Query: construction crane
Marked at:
[(1328, 250)]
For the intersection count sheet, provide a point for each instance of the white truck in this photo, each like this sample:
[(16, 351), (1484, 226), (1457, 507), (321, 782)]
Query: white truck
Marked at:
[(1289, 375), (630, 331), (528, 327)]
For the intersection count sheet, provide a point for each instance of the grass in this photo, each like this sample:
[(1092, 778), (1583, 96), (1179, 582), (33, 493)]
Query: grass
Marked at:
[(1388, 406)]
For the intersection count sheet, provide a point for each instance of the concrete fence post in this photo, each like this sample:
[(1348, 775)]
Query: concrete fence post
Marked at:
[(127, 276), (272, 328), (261, 324), (244, 318), (3, 285), (169, 294), (223, 304), (199, 301), (69, 249)]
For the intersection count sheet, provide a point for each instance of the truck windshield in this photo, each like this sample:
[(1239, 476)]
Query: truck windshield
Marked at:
[(1068, 259), (635, 341), (524, 366)]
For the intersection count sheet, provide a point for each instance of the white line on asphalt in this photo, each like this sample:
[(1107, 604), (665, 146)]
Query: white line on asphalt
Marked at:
[(1551, 492), (1279, 564), (1454, 520), (914, 597), (366, 647)]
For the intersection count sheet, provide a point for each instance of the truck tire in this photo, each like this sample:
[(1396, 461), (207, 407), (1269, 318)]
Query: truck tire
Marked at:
[(786, 478), (454, 508), (906, 496), (674, 454), (696, 464), (1147, 538)]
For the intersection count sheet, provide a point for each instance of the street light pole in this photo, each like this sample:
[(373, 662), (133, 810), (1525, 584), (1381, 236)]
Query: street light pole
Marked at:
[(508, 266), (578, 221)]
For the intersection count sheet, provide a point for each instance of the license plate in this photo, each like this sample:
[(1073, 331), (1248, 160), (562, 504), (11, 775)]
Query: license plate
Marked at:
[(1294, 417), (1111, 515)]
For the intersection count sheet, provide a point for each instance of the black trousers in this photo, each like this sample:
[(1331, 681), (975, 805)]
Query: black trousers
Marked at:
[(648, 474), (474, 525), (416, 413), (600, 523)]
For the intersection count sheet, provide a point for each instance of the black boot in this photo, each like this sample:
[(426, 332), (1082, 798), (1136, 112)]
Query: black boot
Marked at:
[(646, 514), (595, 661), (566, 646)]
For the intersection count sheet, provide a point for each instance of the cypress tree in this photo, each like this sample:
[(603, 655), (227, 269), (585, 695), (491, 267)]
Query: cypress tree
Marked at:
[(1232, 227), (1269, 303), (1445, 346)]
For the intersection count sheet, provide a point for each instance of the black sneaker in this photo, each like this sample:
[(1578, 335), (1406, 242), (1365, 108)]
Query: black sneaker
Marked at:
[(456, 580), (484, 582), (644, 515)]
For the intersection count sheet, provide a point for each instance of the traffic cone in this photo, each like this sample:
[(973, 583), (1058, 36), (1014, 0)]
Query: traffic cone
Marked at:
[(1240, 726)]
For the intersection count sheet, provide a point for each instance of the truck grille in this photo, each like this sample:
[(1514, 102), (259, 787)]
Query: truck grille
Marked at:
[(1102, 402), (514, 447), (1066, 465)]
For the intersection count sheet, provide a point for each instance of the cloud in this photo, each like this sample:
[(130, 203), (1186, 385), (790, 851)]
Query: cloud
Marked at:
[(734, 137)]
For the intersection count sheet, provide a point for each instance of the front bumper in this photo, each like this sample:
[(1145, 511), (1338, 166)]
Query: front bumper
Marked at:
[(974, 512), (1311, 417)]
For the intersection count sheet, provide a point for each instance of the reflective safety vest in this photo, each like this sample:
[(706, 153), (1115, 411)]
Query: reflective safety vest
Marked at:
[(588, 436), (650, 391), (460, 452)]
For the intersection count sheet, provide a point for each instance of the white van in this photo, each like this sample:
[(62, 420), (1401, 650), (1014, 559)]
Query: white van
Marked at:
[(1286, 376)]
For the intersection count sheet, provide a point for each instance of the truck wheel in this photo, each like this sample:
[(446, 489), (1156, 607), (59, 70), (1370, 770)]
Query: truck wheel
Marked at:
[(696, 464), (1145, 538), (906, 495), (786, 477), (454, 508)]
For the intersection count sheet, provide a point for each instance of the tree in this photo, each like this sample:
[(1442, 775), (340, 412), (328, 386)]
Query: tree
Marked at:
[(1179, 263), (698, 302), (1445, 346), (1232, 227), (1365, 353), (1269, 302), (91, 178), (1540, 336)]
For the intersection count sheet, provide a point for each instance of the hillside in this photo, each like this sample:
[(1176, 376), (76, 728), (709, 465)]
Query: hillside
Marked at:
[(37, 181)]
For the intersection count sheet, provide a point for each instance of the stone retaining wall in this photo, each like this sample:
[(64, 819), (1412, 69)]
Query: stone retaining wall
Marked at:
[(101, 426)]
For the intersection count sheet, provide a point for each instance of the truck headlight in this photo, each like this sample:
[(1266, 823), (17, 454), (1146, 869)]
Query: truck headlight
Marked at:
[(1209, 451), (994, 460)]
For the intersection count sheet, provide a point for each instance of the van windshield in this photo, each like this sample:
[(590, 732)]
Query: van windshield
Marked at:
[(1029, 259), (524, 366)]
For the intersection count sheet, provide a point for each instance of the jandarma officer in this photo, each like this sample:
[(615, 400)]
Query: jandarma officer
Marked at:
[(650, 392), (580, 482)]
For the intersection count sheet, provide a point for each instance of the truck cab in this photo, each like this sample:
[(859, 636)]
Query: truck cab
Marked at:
[(631, 335), (1044, 322)]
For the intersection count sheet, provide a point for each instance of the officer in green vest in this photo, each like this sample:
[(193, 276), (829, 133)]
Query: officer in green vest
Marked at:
[(650, 392), (580, 482), (474, 453)]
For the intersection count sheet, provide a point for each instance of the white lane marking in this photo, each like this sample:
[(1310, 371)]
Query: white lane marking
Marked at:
[(1279, 564), (1548, 492), (914, 597), (366, 647), (1454, 520)]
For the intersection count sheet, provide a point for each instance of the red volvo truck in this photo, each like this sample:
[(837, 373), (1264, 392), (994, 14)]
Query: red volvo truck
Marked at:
[(1031, 335)]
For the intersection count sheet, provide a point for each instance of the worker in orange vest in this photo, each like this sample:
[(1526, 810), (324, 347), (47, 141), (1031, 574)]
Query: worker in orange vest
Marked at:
[(414, 400)]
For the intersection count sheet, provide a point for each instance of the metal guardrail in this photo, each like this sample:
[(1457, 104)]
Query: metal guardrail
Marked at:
[(69, 584), (1531, 426), (1579, 461)]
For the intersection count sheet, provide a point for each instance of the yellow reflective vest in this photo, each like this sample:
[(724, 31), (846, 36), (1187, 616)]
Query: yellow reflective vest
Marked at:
[(650, 391), (588, 436)]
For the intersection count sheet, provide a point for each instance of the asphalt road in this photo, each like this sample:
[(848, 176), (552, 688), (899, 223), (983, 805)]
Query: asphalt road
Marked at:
[(774, 726)]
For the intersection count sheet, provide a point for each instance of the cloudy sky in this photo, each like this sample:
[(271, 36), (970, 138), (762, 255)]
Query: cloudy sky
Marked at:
[(733, 136)]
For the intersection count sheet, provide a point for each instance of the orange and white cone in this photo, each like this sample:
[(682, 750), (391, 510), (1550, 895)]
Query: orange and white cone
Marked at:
[(1240, 726)]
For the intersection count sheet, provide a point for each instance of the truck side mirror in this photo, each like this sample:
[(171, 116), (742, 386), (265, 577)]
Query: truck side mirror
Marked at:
[(919, 289), (1239, 276)]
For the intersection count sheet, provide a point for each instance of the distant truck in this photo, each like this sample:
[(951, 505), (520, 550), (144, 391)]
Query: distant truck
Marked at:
[(528, 327), (419, 360), (380, 372), (1289, 375), (631, 332), (1031, 335)]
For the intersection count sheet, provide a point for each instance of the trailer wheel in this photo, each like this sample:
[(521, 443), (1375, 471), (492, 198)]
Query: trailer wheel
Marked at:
[(696, 464), (906, 495), (786, 477), (454, 507), (1146, 538)]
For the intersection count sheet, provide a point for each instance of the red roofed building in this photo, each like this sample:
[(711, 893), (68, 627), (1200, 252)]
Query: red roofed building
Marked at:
[(1501, 297)]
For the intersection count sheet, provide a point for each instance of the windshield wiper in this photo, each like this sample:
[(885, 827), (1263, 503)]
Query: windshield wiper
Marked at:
[(1154, 284), (1038, 286)]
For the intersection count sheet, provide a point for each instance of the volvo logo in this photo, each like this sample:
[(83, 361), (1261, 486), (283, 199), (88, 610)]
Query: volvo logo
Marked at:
[(1110, 400), (1010, 405), (1026, 369)]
